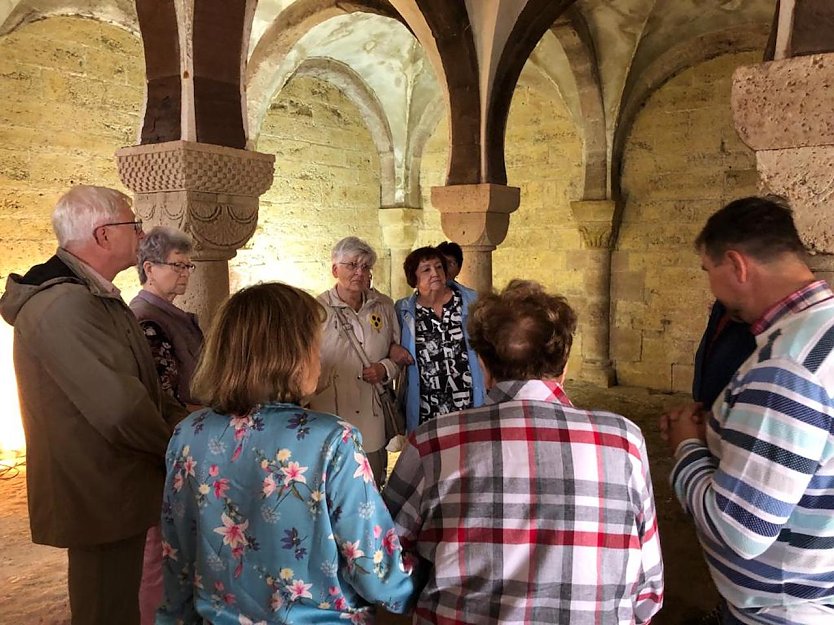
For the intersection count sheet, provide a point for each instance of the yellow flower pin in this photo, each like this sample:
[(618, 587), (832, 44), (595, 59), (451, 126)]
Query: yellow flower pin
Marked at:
[(376, 321)]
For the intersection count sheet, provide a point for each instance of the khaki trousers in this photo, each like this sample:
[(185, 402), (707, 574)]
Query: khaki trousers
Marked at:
[(104, 582)]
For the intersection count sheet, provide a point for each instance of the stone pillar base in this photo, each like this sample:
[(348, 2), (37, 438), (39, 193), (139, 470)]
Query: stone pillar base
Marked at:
[(601, 374)]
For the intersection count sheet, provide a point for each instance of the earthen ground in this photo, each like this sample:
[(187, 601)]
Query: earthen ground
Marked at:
[(33, 577)]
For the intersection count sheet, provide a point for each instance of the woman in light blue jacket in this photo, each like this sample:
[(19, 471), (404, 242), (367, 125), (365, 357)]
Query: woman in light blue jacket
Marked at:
[(444, 375)]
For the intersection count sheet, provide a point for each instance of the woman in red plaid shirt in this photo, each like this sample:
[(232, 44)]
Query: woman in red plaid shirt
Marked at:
[(528, 510)]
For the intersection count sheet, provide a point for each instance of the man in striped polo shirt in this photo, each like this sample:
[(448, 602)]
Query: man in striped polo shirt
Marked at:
[(757, 474)]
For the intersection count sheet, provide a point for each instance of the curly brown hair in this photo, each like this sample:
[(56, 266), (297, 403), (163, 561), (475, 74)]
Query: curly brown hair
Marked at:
[(523, 332)]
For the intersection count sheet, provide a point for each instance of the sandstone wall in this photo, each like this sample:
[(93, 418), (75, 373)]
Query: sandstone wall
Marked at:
[(683, 161), (326, 188), (71, 93)]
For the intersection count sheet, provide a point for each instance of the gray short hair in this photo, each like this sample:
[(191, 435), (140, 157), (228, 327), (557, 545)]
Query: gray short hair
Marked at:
[(158, 244), (353, 246), (83, 208)]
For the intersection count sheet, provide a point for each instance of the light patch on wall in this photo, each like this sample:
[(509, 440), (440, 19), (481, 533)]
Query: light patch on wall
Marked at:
[(12, 443)]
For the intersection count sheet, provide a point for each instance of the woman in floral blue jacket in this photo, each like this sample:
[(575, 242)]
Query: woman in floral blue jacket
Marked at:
[(270, 513)]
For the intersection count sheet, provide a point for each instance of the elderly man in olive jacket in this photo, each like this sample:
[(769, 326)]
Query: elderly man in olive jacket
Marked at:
[(96, 423)]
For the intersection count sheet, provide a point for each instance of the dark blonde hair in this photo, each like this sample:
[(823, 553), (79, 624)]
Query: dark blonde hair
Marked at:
[(522, 333), (257, 349)]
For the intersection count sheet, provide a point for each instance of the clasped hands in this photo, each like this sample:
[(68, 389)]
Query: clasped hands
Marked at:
[(683, 422)]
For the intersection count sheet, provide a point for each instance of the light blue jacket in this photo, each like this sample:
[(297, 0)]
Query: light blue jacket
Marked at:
[(406, 311)]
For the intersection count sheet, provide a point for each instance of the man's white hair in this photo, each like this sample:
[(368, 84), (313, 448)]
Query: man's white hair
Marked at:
[(353, 247), (82, 209)]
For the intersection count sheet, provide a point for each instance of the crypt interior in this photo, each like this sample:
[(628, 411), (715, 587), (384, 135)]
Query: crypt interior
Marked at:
[(580, 143)]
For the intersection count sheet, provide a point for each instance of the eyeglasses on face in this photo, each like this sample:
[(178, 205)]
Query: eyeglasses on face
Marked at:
[(179, 267), (353, 266), (137, 225)]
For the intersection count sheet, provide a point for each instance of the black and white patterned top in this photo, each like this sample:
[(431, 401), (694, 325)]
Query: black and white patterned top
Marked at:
[(442, 360)]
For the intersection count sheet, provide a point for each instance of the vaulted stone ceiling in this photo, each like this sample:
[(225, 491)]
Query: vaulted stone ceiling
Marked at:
[(605, 57)]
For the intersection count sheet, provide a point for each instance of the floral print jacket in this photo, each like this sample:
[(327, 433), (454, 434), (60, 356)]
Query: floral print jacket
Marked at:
[(273, 517)]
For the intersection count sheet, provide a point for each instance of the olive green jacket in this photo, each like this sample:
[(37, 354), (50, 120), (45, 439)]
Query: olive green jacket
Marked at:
[(96, 422)]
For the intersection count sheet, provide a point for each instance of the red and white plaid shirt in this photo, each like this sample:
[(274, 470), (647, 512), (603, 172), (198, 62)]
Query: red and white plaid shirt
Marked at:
[(527, 510)]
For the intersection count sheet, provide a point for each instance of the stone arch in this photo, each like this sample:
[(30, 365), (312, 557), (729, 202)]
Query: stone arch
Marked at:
[(573, 34), (452, 50), (16, 13), (263, 78), (745, 38), (532, 23), (346, 80), (418, 136)]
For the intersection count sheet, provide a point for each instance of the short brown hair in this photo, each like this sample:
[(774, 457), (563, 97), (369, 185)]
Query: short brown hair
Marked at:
[(413, 260), (761, 227), (257, 348), (522, 333)]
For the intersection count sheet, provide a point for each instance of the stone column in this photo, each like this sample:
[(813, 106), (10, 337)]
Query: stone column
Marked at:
[(476, 217), (594, 219), (400, 226), (782, 110), (210, 192)]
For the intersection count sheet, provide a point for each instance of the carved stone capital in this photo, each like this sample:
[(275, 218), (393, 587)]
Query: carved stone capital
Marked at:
[(189, 166), (476, 214), (594, 219), (211, 192)]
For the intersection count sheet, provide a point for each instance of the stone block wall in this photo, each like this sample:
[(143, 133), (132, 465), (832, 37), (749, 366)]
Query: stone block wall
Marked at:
[(71, 92), (683, 161), (326, 188)]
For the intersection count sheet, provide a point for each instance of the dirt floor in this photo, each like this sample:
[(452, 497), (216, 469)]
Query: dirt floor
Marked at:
[(33, 578)]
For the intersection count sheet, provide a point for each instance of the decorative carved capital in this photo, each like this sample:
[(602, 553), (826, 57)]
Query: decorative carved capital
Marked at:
[(188, 166), (211, 192), (476, 214), (594, 219)]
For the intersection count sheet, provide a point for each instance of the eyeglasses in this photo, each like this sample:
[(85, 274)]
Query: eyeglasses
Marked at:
[(137, 225), (353, 266), (180, 267)]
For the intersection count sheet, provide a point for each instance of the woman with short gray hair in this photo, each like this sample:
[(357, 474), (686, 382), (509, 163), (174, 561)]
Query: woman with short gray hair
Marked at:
[(175, 339), (346, 386)]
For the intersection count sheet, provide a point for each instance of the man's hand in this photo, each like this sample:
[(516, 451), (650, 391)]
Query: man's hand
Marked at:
[(374, 374), (683, 422), (400, 355)]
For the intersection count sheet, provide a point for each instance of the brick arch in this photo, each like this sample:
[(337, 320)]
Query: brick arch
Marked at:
[(351, 84), (262, 78), (573, 34), (532, 23), (16, 13)]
